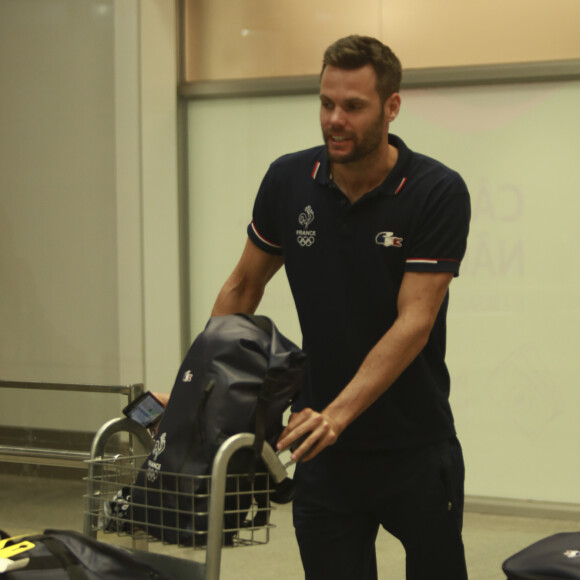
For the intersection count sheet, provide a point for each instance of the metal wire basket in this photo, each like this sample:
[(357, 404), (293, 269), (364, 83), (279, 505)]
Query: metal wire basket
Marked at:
[(226, 504), (180, 513)]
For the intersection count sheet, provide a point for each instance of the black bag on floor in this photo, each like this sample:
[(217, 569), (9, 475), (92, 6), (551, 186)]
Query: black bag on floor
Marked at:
[(239, 376), (553, 558), (68, 555)]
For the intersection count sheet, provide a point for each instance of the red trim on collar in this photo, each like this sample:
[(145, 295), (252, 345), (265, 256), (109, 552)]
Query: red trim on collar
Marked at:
[(315, 170), (401, 185)]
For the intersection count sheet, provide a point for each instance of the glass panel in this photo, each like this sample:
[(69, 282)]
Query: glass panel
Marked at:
[(512, 329), (58, 257), (58, 192)]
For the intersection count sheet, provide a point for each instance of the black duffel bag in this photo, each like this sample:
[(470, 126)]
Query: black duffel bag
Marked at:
[(556, 557), (69, 555), (239, 376)]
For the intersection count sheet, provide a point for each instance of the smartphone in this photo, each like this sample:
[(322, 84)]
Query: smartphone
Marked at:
[(145, 410)]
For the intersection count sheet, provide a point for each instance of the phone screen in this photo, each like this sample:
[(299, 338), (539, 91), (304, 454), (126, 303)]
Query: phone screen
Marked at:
[(145, 410)]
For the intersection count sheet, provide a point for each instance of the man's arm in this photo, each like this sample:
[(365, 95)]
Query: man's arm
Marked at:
[(419, 300), (245, 286)]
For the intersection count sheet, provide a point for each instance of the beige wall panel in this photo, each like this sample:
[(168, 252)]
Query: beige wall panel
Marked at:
[(434, 33), (268, 38)]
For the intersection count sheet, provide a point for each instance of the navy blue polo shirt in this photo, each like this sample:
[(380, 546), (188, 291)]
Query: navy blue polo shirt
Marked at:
[(345, 263)]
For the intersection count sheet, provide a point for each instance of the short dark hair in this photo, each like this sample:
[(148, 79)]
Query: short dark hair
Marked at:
[(352, 52)]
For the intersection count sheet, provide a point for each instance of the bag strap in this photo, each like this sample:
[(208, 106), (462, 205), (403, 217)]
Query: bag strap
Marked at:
[(67, 561), (134, 566), (263, 403), (265, 394), (201, 410), (199, 435)]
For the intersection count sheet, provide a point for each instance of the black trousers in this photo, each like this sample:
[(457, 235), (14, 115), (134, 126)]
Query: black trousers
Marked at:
[(415, 494)]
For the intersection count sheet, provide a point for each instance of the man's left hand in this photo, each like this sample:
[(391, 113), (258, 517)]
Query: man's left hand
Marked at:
[(316, 431)]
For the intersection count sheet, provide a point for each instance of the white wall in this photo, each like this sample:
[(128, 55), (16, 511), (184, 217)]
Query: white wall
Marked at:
[(88, 203), (513, 314)]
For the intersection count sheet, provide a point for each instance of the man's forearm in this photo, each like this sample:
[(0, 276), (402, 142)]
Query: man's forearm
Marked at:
[(232, 299), (245, 286)]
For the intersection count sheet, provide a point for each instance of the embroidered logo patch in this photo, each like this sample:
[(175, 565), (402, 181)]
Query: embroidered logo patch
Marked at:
[(305, 236), (388, 239), (153, 467)]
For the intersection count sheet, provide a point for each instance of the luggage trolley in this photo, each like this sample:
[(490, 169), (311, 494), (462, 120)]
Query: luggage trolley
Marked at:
[(107, 475)]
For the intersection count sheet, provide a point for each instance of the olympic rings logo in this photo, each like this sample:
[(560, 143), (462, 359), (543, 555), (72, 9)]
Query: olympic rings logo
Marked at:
[(305, 241)]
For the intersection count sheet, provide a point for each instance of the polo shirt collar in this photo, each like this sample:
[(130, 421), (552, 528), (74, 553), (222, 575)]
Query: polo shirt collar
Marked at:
[(393, 184)]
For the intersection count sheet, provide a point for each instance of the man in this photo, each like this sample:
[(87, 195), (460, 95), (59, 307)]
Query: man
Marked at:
[(370, 235)]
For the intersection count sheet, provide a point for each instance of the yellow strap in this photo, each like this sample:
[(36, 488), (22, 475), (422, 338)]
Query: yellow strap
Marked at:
[(6, 540), (9, 551)]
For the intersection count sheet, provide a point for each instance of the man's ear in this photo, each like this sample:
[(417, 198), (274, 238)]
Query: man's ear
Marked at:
[(392, 107)]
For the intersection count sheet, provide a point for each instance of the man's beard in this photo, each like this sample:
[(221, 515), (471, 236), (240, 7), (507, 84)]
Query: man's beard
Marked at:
[(369, 142)]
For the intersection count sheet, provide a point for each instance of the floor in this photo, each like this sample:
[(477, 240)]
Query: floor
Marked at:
[(31, 504)]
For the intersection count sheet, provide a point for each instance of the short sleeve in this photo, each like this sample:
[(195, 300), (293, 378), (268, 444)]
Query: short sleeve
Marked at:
[(439, 239), (264, 229)]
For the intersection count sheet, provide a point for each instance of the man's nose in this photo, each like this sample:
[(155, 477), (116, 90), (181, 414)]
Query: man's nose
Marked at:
[(337, 116)]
